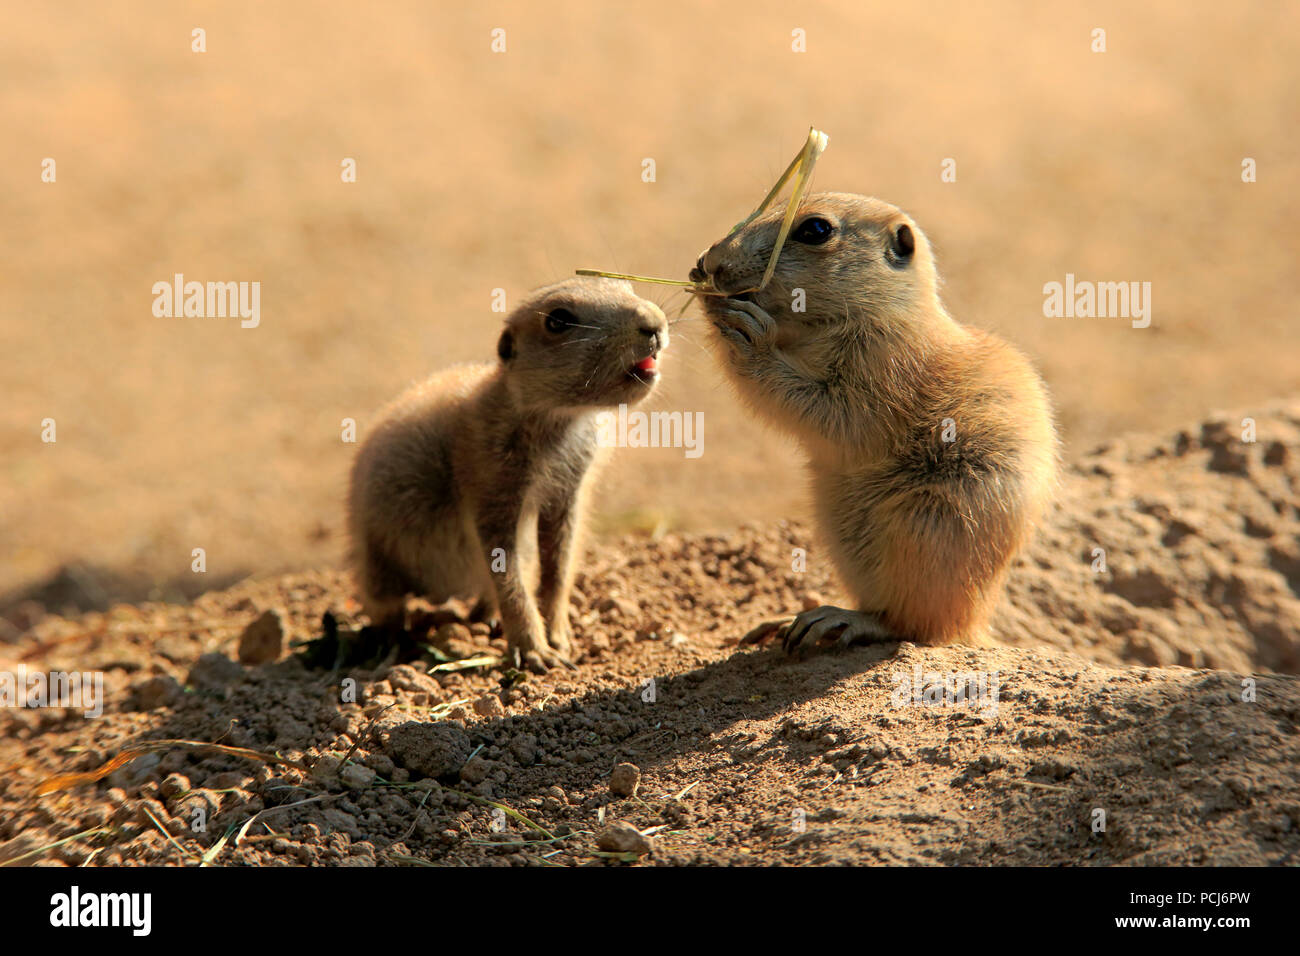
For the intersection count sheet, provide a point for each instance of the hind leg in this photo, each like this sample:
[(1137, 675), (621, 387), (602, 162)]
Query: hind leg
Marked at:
[(485, 611), (383, 588), (386, 613)]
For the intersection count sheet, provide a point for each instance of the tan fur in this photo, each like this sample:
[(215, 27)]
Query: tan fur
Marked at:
[(485, 457), (921, 531)]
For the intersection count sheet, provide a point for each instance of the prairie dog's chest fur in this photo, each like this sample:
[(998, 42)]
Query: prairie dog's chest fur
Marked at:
[(549, 457)]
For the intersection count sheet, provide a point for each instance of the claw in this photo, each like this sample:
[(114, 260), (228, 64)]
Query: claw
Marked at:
[(814, 627), (746, 322), (542, 661), (766, 630), (752, 320), (803, 625), (736, 336), (846, 640), (561, 643), (538, 659)]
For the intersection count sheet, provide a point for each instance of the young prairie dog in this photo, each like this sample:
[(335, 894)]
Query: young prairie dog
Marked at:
[(472, 483), (930, 445)]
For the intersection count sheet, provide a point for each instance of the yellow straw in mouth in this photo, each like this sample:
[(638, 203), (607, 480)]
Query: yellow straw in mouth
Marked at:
[(800, 169)]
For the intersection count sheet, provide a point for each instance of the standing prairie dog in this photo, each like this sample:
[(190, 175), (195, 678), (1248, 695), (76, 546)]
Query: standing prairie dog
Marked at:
[(930, 445), (472, 482)]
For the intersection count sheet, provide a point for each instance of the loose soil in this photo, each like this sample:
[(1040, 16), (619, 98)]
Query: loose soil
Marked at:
[(1145, 713)]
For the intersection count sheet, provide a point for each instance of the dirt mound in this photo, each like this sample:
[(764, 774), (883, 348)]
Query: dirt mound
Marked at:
[(1049, 750), (1201, 538)]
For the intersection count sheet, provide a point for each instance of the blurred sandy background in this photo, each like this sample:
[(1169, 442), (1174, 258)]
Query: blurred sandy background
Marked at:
[(479, 170)]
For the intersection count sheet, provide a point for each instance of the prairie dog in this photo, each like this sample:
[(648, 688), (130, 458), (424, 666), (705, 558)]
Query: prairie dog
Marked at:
[(472, 483), (930, 445)]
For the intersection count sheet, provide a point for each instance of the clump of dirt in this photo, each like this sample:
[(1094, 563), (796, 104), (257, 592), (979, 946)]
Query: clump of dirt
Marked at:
[(1141, 708)]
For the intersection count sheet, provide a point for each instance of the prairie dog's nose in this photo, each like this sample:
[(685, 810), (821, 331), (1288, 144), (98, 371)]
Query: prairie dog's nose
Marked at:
[(698, 274), (653, 325), (711, 260), (650, 319)]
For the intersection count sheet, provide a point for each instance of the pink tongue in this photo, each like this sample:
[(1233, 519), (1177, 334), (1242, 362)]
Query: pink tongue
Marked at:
[(646, 364)]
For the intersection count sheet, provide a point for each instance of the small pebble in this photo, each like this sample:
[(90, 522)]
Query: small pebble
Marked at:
[(622, 837), (625, 779)]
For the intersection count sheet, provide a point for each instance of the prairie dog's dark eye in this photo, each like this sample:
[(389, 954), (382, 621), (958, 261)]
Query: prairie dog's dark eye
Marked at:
[(560, 320), (813, 232)]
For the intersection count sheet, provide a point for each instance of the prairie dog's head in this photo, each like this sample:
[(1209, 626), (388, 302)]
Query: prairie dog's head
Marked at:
[(855, 258), (582, 343)]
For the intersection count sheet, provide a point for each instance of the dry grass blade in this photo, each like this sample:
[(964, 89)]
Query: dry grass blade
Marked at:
[(243, 831), (521, 843), (797, 163), (685, 790), (407, 860), (66, 781), (211, 853), (513, 814), (365, 734), (468, 663), (800, 170), (634, 278), (812, 151), (14, 861), (163, 830), (411, 829), (439, 711), (622, 856)]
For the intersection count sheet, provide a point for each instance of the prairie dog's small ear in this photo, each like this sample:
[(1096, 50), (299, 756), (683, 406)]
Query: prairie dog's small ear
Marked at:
[(506, 345), (903, 241)]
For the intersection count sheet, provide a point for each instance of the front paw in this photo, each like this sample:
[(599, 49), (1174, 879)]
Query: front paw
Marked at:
[(746, 326)]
